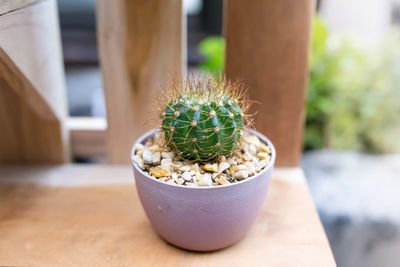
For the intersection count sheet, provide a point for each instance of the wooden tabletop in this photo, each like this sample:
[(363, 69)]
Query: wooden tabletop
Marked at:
[(90, 215)]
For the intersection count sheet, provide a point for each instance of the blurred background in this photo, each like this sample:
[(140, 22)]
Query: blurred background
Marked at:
[(351, 140)]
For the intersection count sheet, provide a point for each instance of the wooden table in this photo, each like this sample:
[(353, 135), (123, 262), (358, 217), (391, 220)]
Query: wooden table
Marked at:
[(90, 215)]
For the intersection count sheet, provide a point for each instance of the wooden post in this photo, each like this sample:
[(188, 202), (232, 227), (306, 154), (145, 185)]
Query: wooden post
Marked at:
[(267, 47), (141, 48), (32, 92)]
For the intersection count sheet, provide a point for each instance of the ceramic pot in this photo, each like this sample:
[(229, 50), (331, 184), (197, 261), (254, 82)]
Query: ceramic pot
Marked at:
[(202, 218)]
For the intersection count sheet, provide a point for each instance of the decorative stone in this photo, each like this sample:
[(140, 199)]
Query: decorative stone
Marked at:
[(263, 155), (157, 148), (160, 172), (221, 179), (196, 177), (167, 155), (185, 168), (187, 176), (195, 167), (250, 168), (241, 167), (176, 165), (147, 156), (166, 164), (139, 161), (232, 160), (241, 175), (247, 156), (156, 158), (264, 148), (205, 180), (252, 149), (210, 167), (139, 147), (223, 166), (264, 163), (257, 166)]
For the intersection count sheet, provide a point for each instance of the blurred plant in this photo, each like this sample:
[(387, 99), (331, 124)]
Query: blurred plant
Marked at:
[(353, 98), (367, 102), (213, 49), (330, 59)]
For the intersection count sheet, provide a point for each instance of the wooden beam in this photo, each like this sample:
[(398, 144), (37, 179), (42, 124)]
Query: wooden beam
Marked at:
[(87, 136), (141, 48), (32, 93), (267, 46)]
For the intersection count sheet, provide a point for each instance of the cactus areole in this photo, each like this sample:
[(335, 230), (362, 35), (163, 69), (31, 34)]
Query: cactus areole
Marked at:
[(202, 119)]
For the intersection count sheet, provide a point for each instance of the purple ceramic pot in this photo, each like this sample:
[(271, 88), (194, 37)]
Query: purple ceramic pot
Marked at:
[(202, 218)]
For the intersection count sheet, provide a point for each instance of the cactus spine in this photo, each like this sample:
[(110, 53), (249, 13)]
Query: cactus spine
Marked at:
[(203, 119)]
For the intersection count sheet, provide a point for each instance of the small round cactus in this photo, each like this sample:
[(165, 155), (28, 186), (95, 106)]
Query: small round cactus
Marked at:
[(202, 119)]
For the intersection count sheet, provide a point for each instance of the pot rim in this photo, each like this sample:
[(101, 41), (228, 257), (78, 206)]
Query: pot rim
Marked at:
[(258, 134)]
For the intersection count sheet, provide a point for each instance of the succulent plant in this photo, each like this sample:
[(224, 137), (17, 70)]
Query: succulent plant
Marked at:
[(202, 119)]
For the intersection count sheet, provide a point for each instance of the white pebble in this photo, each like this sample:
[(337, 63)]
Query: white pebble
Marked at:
[(247, 156), (176, 165), (251, 169), (205, 180), (156, 158), (187, 176), (139, 161), (252, 149), (180, 181), (139, 147), (185, 168), (241, 175), (196, 177), (167, 155), (264, 163), (147, 156), (192, 172), (257, 166), (174, 176), (195, 167), (223, 166), (252, 139), (241, 167), (263, 155), (166, 164)]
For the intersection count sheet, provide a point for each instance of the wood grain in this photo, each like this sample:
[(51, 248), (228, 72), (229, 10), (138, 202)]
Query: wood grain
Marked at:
[(267, 46), (141, 48), (32, 101), (106, 226)]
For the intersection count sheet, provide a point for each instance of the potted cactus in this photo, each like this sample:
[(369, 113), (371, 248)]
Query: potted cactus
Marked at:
[(203, 174)]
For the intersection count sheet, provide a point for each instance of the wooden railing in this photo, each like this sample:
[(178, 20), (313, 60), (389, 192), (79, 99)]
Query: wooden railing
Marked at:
[(142, 45)]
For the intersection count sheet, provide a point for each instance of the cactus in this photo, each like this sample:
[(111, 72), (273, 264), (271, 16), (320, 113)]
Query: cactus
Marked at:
[(203, 119)]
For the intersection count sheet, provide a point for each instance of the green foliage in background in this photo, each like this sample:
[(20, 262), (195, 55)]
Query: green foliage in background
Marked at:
[(213, 49), (353, 96), (329, 61)]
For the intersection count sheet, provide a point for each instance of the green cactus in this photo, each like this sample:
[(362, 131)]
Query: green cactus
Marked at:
[(203, 119)]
